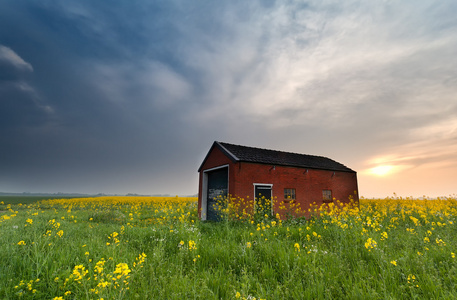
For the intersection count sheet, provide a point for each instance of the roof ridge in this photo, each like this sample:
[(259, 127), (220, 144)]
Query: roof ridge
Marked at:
[(281, 151)]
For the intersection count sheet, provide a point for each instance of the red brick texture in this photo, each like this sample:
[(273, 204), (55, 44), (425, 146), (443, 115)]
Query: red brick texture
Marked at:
[(308, 183)]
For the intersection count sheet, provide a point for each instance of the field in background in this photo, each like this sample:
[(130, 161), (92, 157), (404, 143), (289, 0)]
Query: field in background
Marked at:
[(26, 199), (156, 248)]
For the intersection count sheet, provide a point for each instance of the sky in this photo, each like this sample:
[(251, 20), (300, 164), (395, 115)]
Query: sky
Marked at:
[(128, 96)]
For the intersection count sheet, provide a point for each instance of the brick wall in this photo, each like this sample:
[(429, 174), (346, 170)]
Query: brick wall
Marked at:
[(308, 183)]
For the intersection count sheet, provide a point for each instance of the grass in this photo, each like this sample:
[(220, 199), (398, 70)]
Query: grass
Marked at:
[(156, 248)]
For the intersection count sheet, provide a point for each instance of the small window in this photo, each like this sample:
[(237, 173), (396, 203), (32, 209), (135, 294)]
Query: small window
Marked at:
[(327, 195), (289, 194)]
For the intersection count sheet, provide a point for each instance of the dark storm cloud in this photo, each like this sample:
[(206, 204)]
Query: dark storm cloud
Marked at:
[(93, 131), (20, 105), (128, 97)]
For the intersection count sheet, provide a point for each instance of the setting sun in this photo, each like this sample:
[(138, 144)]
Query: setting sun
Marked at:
[(381, 170)]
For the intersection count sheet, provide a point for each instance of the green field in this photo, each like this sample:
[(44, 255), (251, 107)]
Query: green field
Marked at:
[(27, 199), (156, 248)]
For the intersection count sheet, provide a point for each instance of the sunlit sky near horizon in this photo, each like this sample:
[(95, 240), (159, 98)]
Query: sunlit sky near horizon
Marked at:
[(128, 96)]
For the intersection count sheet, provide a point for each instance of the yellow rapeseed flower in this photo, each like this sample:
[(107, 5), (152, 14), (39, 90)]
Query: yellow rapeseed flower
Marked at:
[(370, 244), (192, 245), (297, 247), (122, 269)]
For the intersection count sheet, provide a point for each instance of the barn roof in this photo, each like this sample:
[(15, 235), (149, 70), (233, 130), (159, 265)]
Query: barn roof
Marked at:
[(239, 153)]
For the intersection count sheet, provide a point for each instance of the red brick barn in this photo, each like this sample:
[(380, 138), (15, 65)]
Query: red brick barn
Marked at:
[(286, 178)]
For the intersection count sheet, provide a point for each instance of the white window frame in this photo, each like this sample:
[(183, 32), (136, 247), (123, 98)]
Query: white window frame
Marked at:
[(271, 188)]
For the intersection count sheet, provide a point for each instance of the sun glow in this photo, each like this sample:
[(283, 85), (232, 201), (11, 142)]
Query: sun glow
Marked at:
[(382, 170)]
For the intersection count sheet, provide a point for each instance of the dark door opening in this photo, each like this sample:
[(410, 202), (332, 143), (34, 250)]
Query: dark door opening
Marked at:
[(217, 191)]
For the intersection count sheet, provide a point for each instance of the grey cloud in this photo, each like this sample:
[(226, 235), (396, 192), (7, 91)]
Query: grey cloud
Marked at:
[(19, 107), (12, 66), (8, 56)]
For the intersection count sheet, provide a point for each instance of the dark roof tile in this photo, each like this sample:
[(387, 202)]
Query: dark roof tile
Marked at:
[(274, 157)]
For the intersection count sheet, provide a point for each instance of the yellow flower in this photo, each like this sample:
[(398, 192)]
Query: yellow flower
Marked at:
[(122, 269), (440, 242), (192, 245), (238, 295), (394, 262), (452, 254), (140, 260), (248, 245), (21, 243), (297, 247), (79, 272), (370, 244)]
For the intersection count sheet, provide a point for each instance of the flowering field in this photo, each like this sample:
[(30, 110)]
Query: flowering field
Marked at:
[(156, 248)]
